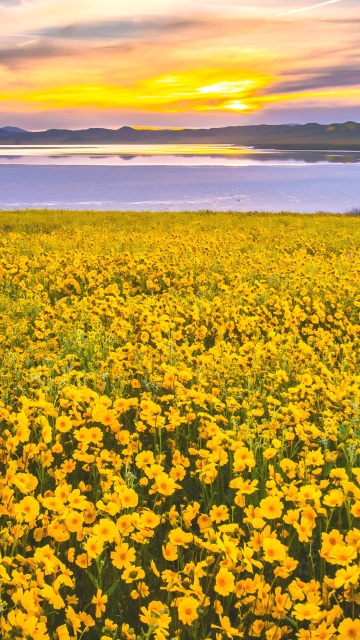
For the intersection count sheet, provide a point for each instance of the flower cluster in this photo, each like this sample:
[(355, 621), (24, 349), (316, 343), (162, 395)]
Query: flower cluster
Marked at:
[(179, 430)]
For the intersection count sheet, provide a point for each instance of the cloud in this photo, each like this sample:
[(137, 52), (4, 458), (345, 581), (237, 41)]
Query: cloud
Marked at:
[(202, 90), (121, 29), (107, 55), (341, 20), (331, 78), (15, 56), (314, 6)]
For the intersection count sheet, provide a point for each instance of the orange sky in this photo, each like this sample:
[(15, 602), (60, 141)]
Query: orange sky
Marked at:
[(162, 63)]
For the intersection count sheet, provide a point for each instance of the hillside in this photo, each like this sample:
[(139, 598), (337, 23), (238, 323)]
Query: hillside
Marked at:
[(309, 136)]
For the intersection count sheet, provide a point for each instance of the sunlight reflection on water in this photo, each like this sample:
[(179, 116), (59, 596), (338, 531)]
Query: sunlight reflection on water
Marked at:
[(168, 155), (125, 177)]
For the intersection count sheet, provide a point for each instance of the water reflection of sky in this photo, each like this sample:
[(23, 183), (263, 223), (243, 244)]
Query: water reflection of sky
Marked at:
[(168, 155), (264, 187)]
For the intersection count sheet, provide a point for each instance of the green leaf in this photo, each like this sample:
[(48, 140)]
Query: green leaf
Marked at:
[(93, 580), (112, 588), (292, 621)]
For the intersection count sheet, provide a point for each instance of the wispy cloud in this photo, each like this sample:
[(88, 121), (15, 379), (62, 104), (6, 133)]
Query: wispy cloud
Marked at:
[(122, 29), (331, 78), (26, 52), (4, 3), (203, 90), (110, 55), (314, 6)]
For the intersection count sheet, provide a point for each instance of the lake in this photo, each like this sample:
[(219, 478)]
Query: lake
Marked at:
[(178, 177)]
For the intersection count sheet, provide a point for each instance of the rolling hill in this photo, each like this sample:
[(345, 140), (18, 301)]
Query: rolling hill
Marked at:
[(290, 136)]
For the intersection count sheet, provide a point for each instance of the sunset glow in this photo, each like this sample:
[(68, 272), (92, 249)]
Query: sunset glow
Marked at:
[(72, 64), (184, 92)]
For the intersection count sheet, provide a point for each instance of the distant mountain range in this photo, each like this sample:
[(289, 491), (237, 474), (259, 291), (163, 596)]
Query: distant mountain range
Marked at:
[(344, 136), (13, 130)]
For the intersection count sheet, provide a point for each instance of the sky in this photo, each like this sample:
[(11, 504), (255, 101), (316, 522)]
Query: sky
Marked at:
[(184, 63)]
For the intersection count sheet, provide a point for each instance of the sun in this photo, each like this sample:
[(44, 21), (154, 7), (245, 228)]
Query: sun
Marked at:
[(202, 90)]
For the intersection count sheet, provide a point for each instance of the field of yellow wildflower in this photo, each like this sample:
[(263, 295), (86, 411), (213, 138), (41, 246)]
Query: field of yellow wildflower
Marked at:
[(180, 427)]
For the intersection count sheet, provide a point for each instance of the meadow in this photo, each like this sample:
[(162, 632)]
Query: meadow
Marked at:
[(180, 426)]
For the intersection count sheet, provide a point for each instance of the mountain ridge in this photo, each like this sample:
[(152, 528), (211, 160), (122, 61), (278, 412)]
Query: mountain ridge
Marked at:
[(312, 135)]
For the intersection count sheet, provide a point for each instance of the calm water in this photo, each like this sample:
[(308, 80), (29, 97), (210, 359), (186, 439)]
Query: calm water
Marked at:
[(175, 178)]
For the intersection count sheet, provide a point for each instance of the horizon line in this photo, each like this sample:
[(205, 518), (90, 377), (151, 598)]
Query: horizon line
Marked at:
[(151, 128)]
